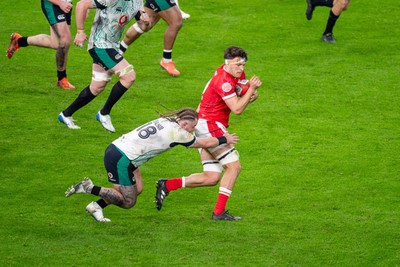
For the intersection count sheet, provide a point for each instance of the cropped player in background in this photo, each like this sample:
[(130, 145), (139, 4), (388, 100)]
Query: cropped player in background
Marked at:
[(58, 14), (124, 156), (337, 7), (110, 20), (218, 101), (184, 14), (171, 14)]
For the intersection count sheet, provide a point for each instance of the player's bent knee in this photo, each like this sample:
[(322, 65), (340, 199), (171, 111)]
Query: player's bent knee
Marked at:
[(128, 204), (138, 28), (211, 177), (212, 181)]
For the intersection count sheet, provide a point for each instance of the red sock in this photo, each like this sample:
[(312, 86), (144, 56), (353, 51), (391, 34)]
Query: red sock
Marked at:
[(173, 184), (223, 197)]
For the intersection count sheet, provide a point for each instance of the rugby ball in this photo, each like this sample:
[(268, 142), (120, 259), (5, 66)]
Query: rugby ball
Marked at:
[(241, 87)]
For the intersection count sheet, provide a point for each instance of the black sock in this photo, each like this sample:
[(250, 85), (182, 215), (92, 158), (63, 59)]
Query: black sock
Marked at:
[(102, 203), (95, 190), (328, 3), (23, 42), (61, 74), (83, 99), (122, 48), (331, 22), (117, 92), (167, 54)]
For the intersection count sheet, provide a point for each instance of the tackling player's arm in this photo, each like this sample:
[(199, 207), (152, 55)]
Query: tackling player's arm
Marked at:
[(206, 142), (238, 105)]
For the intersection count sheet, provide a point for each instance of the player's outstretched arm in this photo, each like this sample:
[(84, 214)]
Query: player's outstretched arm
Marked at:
[(207, 142)]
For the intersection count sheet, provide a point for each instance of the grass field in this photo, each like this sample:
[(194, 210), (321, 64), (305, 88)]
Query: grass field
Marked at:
[(319, 148)]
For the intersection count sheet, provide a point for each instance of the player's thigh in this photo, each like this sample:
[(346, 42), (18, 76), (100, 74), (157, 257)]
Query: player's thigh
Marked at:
[(139, 181), (172, 16), (153, 17), (159, 5), (119, 168), (54, 14), (341, 4)]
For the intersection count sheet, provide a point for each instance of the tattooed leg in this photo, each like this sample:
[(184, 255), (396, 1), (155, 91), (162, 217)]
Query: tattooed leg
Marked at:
[(121, 196)]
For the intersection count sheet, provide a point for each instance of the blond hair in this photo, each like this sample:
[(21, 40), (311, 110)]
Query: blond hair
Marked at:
[(180, 114)]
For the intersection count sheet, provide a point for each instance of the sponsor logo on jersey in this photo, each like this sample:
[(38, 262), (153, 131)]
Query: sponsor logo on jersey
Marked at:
[(110, 176), (226, 87), (123, 19)]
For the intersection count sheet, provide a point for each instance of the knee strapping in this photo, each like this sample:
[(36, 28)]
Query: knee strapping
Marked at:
[(124, 71), (137, 28), (228, 157), (212, 166), (101, 76)]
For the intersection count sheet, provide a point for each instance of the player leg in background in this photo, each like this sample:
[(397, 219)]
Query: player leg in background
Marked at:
[(61, 34), (127, 77), (59, 40), (100, 78), (184, 14), (173, 18), (337, 6)]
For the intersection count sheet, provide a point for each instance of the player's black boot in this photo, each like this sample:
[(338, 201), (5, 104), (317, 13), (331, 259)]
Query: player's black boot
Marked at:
[(225, 216), (161, 192), (309, 10), (328, 38)]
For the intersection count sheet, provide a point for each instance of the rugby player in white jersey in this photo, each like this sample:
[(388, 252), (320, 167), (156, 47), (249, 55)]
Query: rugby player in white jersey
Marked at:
[(218, 101), (110, 20), (124, 156)]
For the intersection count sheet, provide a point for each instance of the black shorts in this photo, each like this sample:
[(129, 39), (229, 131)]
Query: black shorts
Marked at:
[(119, 167), (159, 5), (54, 14)]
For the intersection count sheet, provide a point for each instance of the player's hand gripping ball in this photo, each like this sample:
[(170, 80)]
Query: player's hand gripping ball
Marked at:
[(241, 87)]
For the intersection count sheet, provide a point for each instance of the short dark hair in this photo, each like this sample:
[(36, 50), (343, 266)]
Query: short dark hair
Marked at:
[(233, 52)]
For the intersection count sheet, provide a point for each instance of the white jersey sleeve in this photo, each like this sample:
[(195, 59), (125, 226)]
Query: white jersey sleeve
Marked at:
[(152, 139)]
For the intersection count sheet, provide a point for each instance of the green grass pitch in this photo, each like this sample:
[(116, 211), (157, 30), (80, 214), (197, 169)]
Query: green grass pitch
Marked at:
[(319, 148)]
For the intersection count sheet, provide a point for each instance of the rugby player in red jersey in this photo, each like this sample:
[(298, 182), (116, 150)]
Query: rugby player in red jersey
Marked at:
[(219, 100)]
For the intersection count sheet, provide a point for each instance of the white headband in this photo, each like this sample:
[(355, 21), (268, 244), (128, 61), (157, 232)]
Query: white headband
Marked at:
[(231, 61)]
